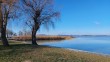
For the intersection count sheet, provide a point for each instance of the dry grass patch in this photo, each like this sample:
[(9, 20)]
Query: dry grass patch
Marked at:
[(28, 38)]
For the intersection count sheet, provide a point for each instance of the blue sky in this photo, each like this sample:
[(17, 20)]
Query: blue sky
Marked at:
[(82, 17)]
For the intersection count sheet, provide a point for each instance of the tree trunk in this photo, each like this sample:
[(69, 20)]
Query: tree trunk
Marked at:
[(34, 30), (3, 28), (3, 37)]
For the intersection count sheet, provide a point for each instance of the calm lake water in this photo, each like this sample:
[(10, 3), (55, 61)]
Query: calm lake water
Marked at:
[(100, 45)]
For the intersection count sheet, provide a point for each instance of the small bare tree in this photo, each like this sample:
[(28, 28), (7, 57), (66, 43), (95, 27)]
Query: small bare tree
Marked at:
[(39, 12), (6, 13), (20, 33), (9, 33)]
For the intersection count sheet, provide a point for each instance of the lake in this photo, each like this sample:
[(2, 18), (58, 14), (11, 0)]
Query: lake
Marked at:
[(95, 44)]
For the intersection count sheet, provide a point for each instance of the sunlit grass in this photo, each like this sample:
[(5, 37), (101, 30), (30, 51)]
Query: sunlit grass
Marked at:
[(32, 53)]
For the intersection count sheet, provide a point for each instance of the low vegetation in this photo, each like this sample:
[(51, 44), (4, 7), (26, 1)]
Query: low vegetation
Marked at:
[(31, 53), (28, 38)]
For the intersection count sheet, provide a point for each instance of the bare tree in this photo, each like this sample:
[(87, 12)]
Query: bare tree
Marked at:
[(14, 34), (6, 13), (39, 12), (20, 33), (9, 33)]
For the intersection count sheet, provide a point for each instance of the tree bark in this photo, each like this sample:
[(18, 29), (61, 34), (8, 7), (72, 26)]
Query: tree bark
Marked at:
[(34, 30), (3, 37)]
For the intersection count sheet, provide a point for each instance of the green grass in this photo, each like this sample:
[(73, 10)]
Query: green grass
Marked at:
[(32, 53)]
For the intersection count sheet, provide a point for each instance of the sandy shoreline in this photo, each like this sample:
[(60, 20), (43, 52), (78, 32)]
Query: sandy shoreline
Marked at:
[(76, 50)]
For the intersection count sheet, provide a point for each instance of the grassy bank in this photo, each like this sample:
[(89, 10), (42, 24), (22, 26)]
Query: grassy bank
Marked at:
[(30, 53), (28, 38)]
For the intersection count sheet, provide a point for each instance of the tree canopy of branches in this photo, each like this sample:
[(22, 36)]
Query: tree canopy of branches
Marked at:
[(7, 11), (39, 12)]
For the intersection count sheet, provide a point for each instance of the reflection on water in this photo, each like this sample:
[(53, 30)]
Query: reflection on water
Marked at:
[(92, 44)]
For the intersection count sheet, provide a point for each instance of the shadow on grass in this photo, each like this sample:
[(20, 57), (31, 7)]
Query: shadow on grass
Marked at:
[(23, 46), (18, 49)]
